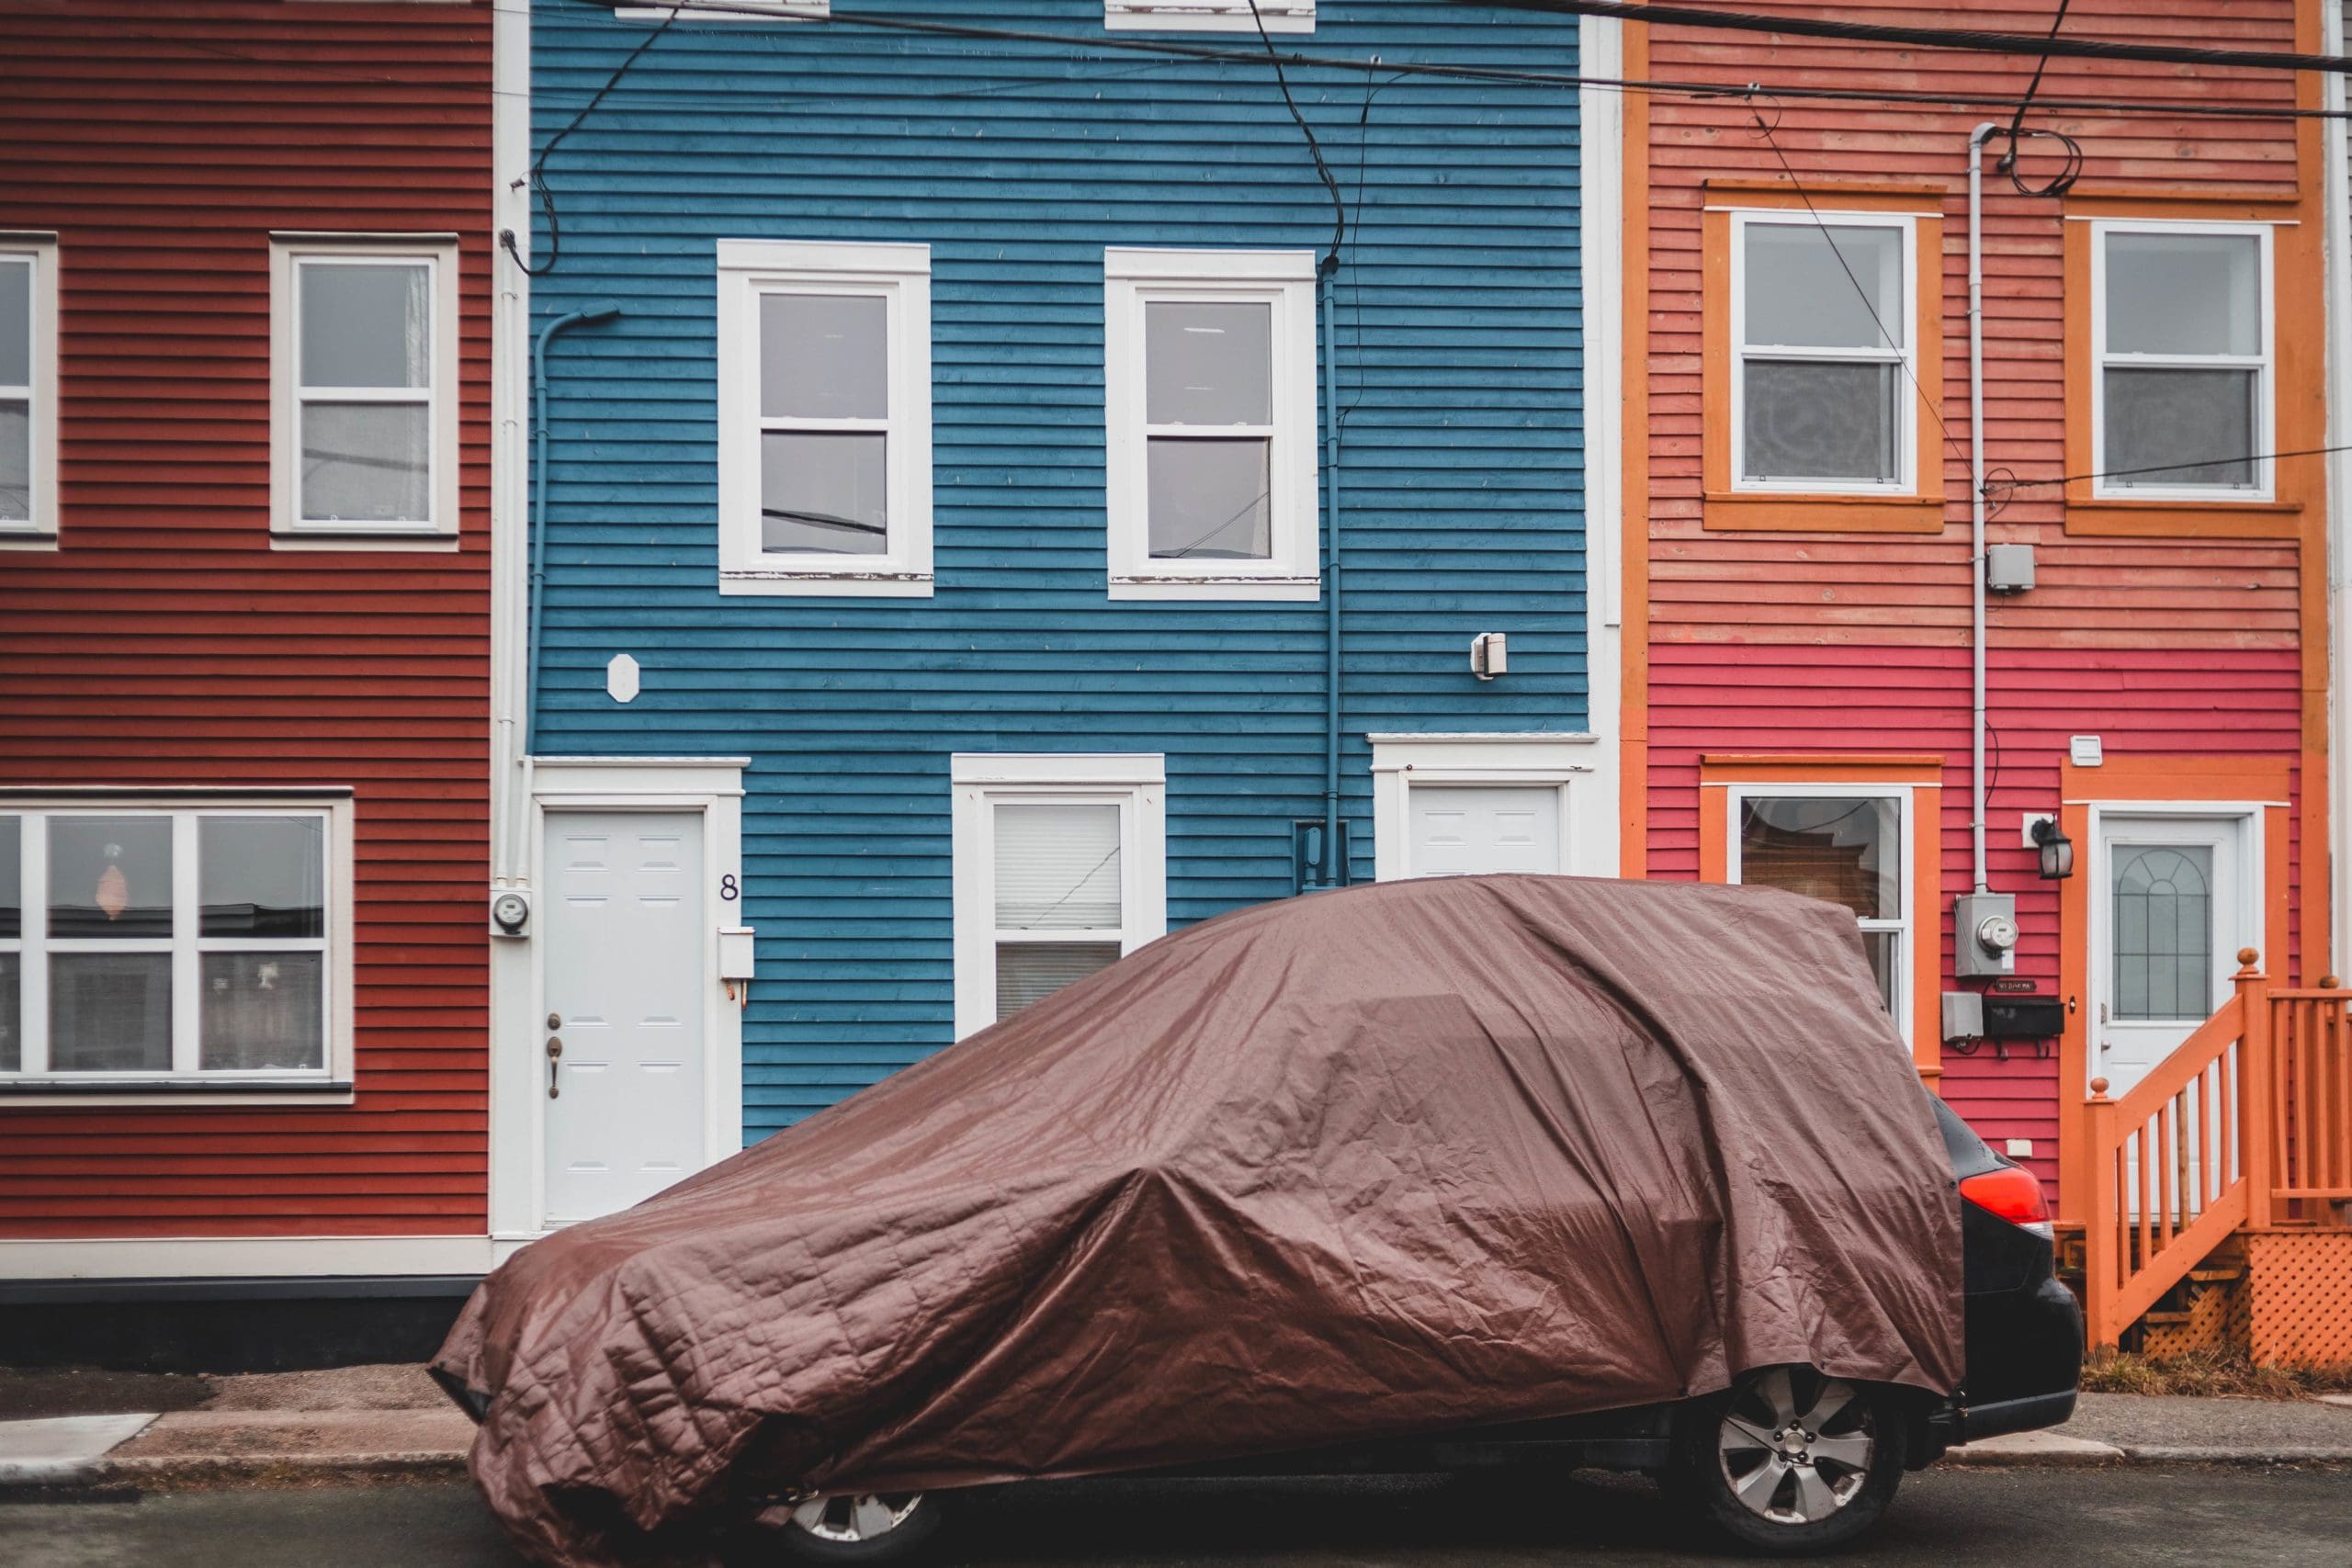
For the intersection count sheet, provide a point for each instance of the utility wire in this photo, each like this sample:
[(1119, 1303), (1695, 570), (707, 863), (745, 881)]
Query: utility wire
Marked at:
[(1314, 148), (2016, 484), (2072, 169), (539, 163)]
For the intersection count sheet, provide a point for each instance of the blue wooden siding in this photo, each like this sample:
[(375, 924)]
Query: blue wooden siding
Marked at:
[(1459, 372)]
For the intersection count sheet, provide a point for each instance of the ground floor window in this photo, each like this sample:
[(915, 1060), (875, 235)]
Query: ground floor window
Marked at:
[(1844, 847), (190, 942), (1059, 869)]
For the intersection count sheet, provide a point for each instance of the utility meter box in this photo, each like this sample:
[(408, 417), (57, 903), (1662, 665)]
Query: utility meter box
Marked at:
[(1984, 932), (2008, 568), (1964, 1015), (735, 962)]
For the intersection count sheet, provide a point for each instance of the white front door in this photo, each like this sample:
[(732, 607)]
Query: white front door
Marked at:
[(624, 982), (1468, 830), (2171, 908)]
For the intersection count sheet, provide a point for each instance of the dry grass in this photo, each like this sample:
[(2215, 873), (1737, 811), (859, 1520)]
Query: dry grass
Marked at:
[(2227, 1373)]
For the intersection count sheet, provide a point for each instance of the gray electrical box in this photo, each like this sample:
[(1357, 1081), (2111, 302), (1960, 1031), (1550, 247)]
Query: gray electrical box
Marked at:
[(1984, 934), (2008, 568), (1964, 1015)]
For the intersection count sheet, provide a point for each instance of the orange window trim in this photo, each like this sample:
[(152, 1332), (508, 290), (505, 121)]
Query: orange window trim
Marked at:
[(1923, 775), (1724, 508)]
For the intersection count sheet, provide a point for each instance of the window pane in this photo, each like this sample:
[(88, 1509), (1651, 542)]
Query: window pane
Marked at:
[(262, 875), (2184, 294), (1822, 422), (110, 1012), (824, 356), (2162, 931), (824, 493), (1885, 951), (111, 877), (11, 1013), (367, 462), (1798, 295), (16, 324), (366, 324), (1057, 867), (1208, 363), (11, 877), (1211, 499), (2155, 419), (1028, 972), (16, 460), (1846, 850), (263, 1009)]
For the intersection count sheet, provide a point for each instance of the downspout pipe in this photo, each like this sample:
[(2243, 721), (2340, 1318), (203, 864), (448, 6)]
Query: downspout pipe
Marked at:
[(603, 311), (1334, 869), (1976, 139)]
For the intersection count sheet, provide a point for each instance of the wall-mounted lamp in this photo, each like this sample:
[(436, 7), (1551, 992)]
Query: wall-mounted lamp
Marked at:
[(1489, 655), (2056, 849)]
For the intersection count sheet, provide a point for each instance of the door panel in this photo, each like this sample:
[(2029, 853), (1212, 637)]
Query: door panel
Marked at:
[(626, 975), (1468, 830)]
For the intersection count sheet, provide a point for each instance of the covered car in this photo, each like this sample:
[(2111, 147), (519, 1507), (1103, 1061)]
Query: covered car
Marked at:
[(1396, 1159)]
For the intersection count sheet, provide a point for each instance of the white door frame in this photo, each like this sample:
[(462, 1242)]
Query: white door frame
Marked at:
[(711, 785), (2251, 853), (1568, 762)]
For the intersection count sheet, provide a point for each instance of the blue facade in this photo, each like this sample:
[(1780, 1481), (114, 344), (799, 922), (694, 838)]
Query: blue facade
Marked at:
[(1459, 375)]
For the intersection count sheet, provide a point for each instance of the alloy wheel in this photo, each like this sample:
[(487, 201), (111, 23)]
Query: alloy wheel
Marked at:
[(863, 1518), (1795, 1446)]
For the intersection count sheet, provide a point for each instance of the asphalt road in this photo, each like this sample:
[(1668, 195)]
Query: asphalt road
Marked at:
[(2145, 1517)]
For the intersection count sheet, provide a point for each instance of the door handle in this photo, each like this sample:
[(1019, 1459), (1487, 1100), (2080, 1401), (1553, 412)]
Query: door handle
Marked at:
[(555, 1061)]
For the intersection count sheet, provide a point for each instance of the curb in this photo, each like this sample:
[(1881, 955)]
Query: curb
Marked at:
[(275, 1469)]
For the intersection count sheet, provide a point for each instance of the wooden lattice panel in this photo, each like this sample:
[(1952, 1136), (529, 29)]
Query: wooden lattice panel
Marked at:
[(2299, 1290), (2208, 1329)]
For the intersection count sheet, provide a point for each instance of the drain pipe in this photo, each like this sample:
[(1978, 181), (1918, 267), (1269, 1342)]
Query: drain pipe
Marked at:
[(1334, 868), (603, 311), (1976, 139)]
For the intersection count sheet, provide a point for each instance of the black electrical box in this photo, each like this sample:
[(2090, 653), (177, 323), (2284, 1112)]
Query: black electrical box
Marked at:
[(2024, 1018)]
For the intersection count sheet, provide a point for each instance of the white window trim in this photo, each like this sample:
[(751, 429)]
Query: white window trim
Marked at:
[(2264, 364), (1567, 761), (1136, 782), (1906, 955), (1904, 319), (730, 11), (1207, 16), (330, 1083), (1282, 280), (900, 273), (40, 531)]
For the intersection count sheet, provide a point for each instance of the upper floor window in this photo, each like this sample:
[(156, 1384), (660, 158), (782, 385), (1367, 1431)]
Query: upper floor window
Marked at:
[(1210, 401), (2181, 328), (1209, 15), (159, 948), (824, 418), (1821, 325), (364, 428), (27, 390)]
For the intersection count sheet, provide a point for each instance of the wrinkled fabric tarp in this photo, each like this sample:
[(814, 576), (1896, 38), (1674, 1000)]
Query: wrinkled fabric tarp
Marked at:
[(1375, 1162)]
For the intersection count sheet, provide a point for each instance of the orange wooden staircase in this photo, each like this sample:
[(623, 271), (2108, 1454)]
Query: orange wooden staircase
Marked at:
[(2229, 1168)]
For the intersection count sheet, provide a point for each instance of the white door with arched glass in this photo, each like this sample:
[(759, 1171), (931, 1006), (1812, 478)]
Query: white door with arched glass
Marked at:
[(2171, 907)]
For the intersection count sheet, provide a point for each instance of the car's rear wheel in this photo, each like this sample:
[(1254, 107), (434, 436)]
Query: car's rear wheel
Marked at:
[(865, 1527), (1789, 1460)]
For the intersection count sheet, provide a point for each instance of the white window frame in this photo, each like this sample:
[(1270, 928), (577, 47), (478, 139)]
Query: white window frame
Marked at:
[(898, 273), (730, 11), (1904, 928), (1208, 16), (287, 255), (1285, 280), (1904, 319), (329, 1083), (40, 530), (1135, 781), (2263, 364)]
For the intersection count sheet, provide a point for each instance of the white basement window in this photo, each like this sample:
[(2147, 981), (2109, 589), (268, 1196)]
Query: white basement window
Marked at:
[(27, 390), (1209, 367), (168, 949), (2180, 315), (1208, 16), (364, 394), (1822, 321), (1059, 870), (824, 418)]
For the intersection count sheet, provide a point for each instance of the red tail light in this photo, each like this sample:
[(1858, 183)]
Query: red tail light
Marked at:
[(2013, 1194)]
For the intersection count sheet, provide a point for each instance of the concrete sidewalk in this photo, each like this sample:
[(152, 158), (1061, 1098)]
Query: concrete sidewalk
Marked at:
[(390, 1422)]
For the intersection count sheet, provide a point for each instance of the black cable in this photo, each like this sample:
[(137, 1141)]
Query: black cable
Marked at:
[(2072, 169), (1315, 148), (2017, 484), (539, 165)]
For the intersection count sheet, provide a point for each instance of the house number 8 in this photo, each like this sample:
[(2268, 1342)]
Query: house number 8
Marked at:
[(727, 890)]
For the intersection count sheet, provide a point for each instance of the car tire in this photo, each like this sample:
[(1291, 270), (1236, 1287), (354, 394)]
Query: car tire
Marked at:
[(1788, 1459), (890, 1527)]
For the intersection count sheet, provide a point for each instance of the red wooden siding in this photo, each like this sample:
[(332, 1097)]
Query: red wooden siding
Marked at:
[(1853, 643), (166, 643)]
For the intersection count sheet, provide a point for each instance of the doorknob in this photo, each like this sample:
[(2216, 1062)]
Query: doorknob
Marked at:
[(555, 1060)]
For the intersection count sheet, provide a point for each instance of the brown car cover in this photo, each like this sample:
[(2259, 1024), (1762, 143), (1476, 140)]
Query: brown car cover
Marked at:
[(1385, 1161)]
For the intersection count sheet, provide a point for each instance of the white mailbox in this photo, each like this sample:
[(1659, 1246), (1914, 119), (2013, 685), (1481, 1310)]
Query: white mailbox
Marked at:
[(735, 960)]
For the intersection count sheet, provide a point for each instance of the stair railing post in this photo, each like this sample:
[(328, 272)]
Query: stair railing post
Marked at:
[(2103, 1248), (2256, 1115)]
